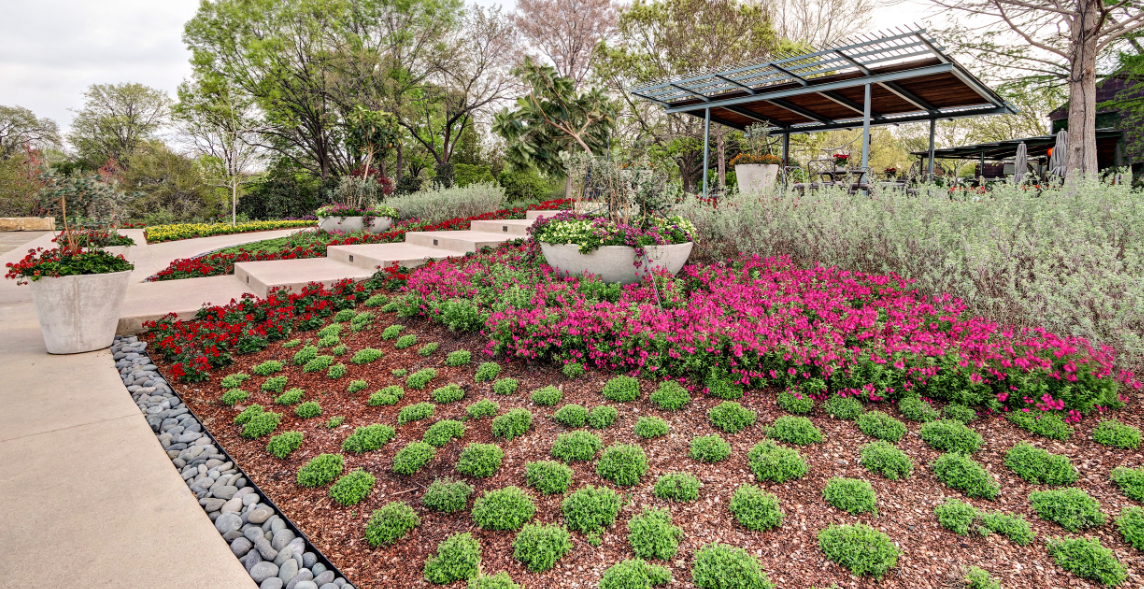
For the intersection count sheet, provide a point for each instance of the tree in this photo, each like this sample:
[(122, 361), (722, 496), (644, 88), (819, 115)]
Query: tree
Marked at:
[(116, 119), (1046, 32), (21, 130), (566, 32), (172, 185), (818, 23)]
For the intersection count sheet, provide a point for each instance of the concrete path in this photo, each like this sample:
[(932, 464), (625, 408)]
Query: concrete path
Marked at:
[(15, 240)]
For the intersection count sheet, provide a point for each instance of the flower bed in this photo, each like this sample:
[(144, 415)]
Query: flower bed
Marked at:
[(161, 233), (592, 232), (94, 238)]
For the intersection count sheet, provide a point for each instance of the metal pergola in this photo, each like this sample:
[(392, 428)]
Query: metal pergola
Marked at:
[(887, 78)]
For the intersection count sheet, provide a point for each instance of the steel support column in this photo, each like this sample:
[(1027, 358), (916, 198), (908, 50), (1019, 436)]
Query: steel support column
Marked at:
[(706, 146), (786, 149), (866, 132), (982, 180), (932, 129)]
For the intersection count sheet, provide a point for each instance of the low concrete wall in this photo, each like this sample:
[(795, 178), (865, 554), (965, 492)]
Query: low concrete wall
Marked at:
[(27, 223)]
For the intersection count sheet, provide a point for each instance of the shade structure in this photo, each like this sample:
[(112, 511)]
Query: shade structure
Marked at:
[(1020, 163)]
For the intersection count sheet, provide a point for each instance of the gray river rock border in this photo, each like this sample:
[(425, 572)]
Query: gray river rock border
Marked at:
[(269, 545)]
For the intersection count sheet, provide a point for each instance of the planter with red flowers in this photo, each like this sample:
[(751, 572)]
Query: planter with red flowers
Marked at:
[(77, 293), (841, 160)]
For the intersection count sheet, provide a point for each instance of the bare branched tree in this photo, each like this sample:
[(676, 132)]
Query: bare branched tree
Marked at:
[(565, 32), (819, 22)]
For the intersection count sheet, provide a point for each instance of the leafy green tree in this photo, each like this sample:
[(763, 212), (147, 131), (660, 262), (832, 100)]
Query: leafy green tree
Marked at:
[(172, 185), (116, 119), (21, 130)]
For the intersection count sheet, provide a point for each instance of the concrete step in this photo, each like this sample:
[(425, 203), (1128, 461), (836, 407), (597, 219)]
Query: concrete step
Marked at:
[(534, 215), (260, 277), (514, 227), (372, 256), (148, 301), (457, 241)]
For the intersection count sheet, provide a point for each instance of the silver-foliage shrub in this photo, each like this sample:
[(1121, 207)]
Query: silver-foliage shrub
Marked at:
[(436, 203)]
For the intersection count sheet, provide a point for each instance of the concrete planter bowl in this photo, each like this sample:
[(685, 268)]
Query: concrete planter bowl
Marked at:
[(756, 178), (616, 263), (354, 224), (79, 313)]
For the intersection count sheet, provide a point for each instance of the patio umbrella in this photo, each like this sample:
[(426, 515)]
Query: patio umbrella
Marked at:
[(1021, 164), (1057, 159)]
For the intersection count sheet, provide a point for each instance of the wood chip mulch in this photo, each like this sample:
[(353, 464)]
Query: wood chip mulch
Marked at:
[(932, 555)]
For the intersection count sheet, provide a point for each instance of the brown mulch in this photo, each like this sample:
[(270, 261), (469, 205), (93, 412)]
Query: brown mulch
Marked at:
[(790, 555)]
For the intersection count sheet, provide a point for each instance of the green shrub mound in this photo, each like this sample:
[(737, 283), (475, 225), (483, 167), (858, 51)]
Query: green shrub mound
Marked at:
[(670, 396), (794, 430), (292, 343), (951, 436), (336, 371), (840, 407), (571, 415), (248, 414), (591, 509), (958, 412), (458, 358), (602, 416), (449, 393), (573, 370), (576, 446), (877, 424), (731, 417), (915, 409), (367, 355), (547, 396), (335, 422), (329, 341), (796, 403), (955, 515), (719, 566), (305, 355), (321, 470), (369, 438), (622, 464), (710, 448), (352, 488), (651, 427), (413, 457), (978, 578), (851, 495), (1110, 432), (267, 368), (233, 396), (500, 580), (392, 331), (548, 476), (723, 387), (308, 410), (539, 547), (318, 364), (1131, 526), (427, 349), (419, 379), (1072, 509), (440, 433), (859, 548), (399, 372), (653, 536), (235, 380), (275, 384), (512, 424), (960, 472), (339, 350), (281, 445), (755, 508), (677, 486), (415, 412), (1130, 480), (505, 386), (331, 329), (480, 460), (458, 557), (487, 372), (771, 462), (961, 518), (390, 395), (376, 300), (1046, 424), (482, 408), (390, 523), (503, 509), (1013, 527), (883, 458), (447, 496), (634, 574), (622, 389), (1089, 559), (1038, 466), (357, 385), (262, 424)]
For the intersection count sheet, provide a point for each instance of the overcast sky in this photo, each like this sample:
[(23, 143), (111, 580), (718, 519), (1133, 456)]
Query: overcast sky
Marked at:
[(53, 50)]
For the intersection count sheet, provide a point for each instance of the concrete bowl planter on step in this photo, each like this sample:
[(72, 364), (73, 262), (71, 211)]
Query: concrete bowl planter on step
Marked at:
[(354, 224), (79, 313), (756, 178), (616, 263)]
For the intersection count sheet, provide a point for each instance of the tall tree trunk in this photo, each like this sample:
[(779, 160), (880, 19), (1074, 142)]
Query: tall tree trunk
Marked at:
[(721, 147), (1082, 91), (400, 166)]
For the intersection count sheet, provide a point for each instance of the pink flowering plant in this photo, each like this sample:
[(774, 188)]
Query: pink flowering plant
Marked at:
[(765, 322)]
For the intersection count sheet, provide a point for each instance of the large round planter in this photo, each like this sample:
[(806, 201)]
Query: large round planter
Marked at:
[(756, 178), (79, 313), (354, 224), (616, 263)]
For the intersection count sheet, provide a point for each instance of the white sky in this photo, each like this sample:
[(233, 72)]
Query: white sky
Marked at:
[(51, 51)]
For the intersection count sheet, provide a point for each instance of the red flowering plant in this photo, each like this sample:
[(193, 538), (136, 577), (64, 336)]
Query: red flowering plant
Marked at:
[(64, 261), (841, 159), (95, 238)]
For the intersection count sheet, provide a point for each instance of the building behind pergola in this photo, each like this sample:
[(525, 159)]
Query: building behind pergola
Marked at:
[(888, 78)]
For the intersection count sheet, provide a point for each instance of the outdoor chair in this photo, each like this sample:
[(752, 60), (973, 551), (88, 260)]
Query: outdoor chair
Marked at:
[(815, 169)]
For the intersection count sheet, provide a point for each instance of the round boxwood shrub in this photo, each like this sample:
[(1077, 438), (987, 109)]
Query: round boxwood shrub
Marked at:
[(1038, 466), (248, 414), (412, 457), (852, 495), (591, 509), (548, 476), (771, 462), (440, 433), (651, 427), (571, 415), (652, 535), (369, 438), (405, 341), (547, 396), (449, 393), (457, 558), (352, 488), (634, 574), (840, 407), (719, 566), (1087, 558), (482, 408), (710, 448), (883, 458), (390, 523), (1072, 508), (416, 412), (877, 424), (418, 380), (576, 446), (859, 548), (794, 402), (308, 410), (731, 417), (321, 470), (283, 444), (1112, 433), (955, 516), (501, 580), (622, 388), (447, 495), (915, 409), (392, 331), (487, 372), (539, 547), (962, 473), (670, 396), (1131, 525), (622, 464), (261, 424), (480, 460), (958, 412), (677, 486), (602, 416), (503, 509), (458, 358), (755, 508), (233, 396), (505, 386), (1130, 480), (390, 395), (951, 436), (512, 424), (794, 430)]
